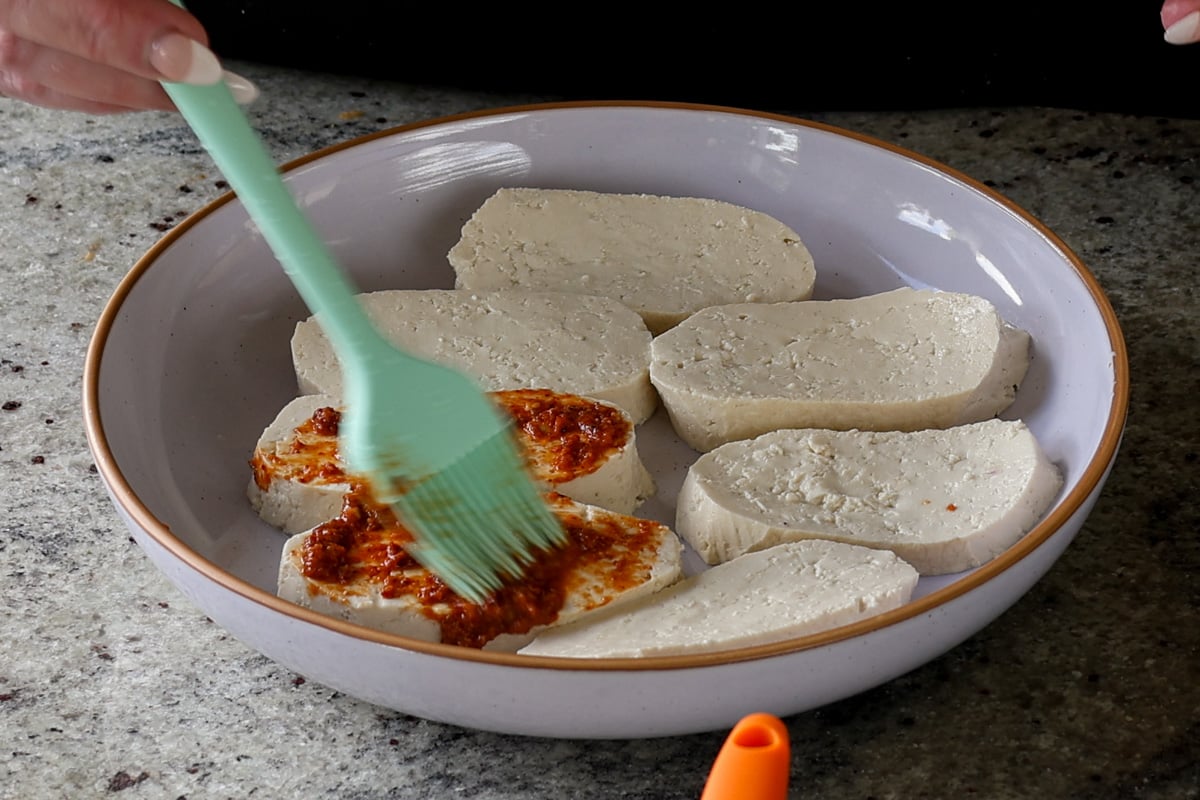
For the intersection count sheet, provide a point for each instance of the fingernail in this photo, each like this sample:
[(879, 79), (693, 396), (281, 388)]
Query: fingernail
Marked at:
[(1186, 30), (182, 60), (243, 89)]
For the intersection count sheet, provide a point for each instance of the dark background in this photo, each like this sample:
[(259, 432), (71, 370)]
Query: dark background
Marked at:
[(797, 57)]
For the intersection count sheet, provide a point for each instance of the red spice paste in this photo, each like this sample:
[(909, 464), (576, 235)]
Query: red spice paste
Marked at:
[(570, 435)]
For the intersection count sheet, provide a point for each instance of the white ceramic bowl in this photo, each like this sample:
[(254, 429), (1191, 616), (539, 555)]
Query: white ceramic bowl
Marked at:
[(190, 360)]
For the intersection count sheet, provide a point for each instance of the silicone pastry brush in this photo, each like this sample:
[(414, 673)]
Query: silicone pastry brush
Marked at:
[(425, 437), (753, 764)]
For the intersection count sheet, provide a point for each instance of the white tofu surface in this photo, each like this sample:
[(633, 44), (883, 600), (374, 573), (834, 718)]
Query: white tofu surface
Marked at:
[(783, 592), (665, 257), (901, 360), (943, 500), (592, 346)]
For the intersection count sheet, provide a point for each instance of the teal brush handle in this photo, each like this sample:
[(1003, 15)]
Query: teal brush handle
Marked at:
[(241, 156)]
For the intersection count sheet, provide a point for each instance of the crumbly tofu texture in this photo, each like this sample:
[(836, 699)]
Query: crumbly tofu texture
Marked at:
[(297, 499), (907, 359), (943, 500), (665, 257), (591, 346), (791, 590), (362, 601)]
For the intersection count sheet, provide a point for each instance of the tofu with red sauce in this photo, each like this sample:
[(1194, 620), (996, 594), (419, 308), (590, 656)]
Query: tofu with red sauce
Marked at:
[(355, 567), (577, 446)]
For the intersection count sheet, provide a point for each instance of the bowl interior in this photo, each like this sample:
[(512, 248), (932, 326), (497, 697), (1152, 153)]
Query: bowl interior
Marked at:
[(193, 360)]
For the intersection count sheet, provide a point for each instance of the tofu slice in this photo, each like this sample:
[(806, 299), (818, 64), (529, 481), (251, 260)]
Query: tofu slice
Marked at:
[(591, 346), (580, 447), (779, 593), (901, 360), (943, 500), (577, 446), (355, 568), (297, 479), (665, 257)]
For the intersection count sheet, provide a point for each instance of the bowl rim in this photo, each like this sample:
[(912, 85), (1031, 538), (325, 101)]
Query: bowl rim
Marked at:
[(1090, 479)]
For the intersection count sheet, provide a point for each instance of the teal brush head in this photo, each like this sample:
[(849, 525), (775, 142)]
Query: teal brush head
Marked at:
[(449, 465)]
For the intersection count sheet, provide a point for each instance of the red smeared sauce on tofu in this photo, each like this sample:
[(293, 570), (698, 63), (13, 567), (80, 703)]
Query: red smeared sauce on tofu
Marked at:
[(365, 547), (564, 435), (311, 456), (572, 435)]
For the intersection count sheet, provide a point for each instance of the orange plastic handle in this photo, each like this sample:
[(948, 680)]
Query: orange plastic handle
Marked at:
[(753, 764)]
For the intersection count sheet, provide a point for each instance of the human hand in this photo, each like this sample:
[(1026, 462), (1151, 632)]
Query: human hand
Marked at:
[(1181, 21), (103, 56)]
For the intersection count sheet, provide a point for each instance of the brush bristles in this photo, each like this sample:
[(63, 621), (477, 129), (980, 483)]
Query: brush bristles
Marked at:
[(479, 519)]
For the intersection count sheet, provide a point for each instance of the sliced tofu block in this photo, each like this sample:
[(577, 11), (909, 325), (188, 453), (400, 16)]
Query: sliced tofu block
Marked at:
[(577, 446), (901, 360), (665, 257), (943, 500), (591, 346), (355, 567), (779, 593)]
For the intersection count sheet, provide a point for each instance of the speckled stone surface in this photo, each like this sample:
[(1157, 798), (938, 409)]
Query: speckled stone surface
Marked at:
[(113, 684)]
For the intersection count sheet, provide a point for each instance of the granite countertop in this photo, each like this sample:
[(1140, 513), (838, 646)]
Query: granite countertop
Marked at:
[(112, 683)]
